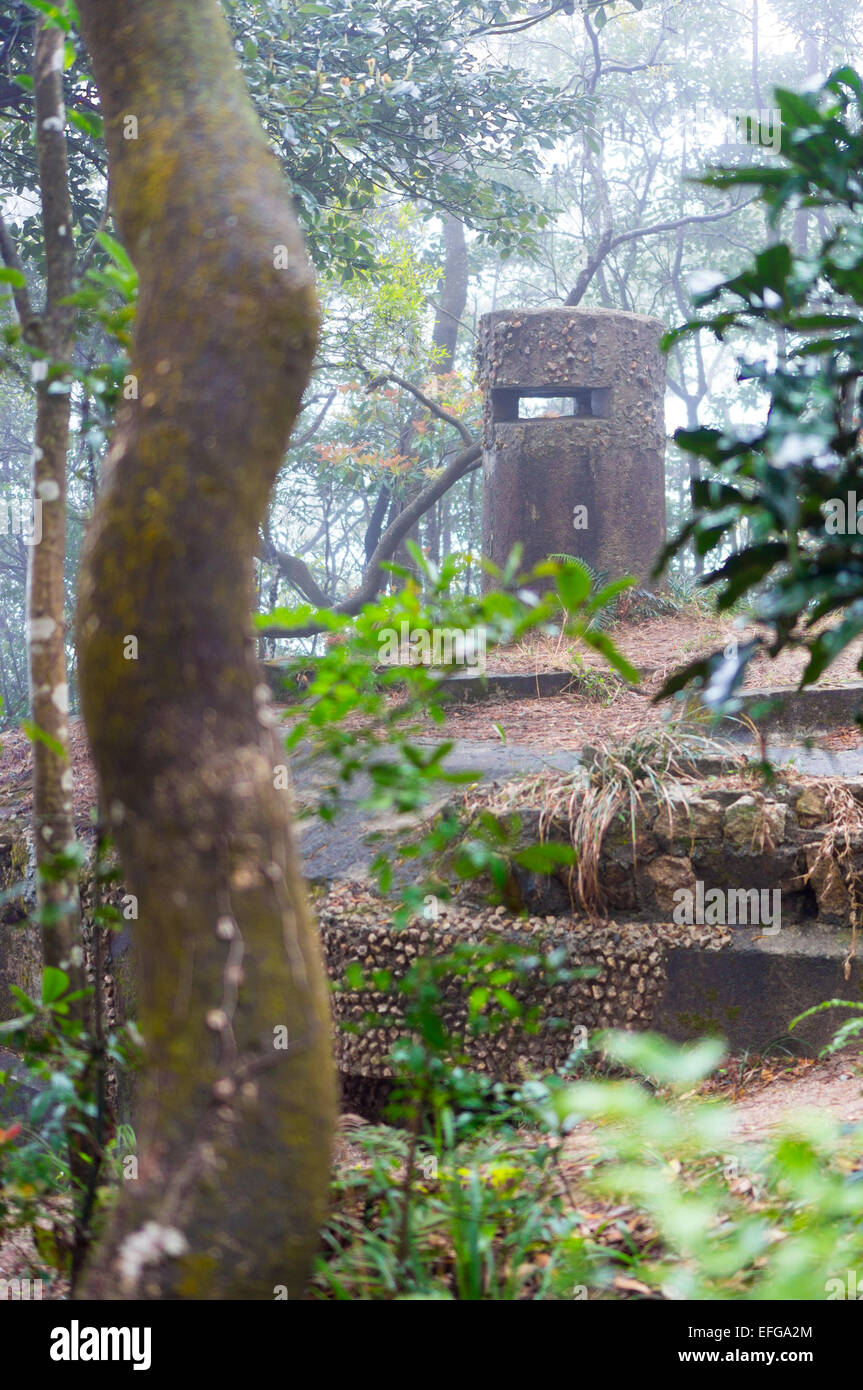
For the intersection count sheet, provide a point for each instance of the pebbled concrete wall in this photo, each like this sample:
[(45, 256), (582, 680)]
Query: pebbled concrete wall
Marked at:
[(20, 941)]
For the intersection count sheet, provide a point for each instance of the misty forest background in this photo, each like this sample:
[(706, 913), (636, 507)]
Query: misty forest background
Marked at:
[(441, 167)]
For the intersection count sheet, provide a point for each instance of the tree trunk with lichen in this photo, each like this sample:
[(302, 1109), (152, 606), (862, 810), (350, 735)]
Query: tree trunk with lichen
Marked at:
[(53, 825), (50, 335), (234, 1126)]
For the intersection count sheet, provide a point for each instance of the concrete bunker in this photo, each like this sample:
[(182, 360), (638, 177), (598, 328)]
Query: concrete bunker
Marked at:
[(573, 437)]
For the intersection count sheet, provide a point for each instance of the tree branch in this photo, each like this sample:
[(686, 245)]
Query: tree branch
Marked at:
[(610, 243), (300, 439), (87, 258), (430, 405), (376, 522), (463, 462), (31, 324), (295, 570)]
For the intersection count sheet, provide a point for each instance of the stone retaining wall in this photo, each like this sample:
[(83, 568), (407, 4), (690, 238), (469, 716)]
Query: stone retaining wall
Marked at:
[(721, 837)]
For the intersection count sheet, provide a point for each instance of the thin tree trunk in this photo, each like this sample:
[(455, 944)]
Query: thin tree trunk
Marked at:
[(453, 297), (234, 1127), (432, 533), (52, 777)]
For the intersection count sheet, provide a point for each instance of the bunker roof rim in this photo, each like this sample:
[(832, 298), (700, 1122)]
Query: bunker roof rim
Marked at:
[(573, 311)]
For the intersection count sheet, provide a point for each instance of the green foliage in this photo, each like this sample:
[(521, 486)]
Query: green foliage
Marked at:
[(592, 684), (57, 16), (453, 1204), (847, 1032), (493, 1210), (361, 714), (108, 298), (116, 279), (55, 1089), (619, 779), (685, 592), (782, 477), (58, 1090), (580, 578), (373, 95), (775, 1220), (473, 1196)]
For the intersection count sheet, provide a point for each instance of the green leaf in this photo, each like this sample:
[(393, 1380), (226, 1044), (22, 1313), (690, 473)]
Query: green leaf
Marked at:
[(54, 983), (602, 643), (56, 17), (574, 583), (37, 735), (10, 276), (116, 251), (89, 122), (507, 1002), (656, 1057), (543, 858), (478, 998), (610, 593)]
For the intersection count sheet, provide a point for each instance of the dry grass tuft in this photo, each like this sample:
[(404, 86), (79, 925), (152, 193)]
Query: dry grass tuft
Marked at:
[(615, 785)]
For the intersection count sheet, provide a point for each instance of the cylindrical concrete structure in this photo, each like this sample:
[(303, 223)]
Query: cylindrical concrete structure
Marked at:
[(573, 437)]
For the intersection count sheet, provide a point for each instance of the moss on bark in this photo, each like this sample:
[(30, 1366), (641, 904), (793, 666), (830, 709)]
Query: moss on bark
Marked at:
[(234, 1132)]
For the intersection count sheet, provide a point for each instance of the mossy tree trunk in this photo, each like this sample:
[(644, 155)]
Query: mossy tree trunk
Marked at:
[(234, 1129)]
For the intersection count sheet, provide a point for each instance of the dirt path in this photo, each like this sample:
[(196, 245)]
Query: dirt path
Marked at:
[(603, 709), (833, 1086), (768, 1096), (561, 722)]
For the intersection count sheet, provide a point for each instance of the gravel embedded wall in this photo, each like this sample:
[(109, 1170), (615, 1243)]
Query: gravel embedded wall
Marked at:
[(20, 942), (626, 965)]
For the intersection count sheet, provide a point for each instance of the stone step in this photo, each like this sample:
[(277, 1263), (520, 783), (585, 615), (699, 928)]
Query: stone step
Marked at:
[(750, 991)]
